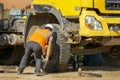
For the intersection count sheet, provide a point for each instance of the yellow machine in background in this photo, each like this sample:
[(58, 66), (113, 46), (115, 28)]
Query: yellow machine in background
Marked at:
[(91, 24)]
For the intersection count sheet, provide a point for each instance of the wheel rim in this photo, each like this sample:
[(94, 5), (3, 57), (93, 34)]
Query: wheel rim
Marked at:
[(115, 52)]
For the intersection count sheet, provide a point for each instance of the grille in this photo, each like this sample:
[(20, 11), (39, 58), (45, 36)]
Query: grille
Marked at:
[(113, 4), (114, 27)]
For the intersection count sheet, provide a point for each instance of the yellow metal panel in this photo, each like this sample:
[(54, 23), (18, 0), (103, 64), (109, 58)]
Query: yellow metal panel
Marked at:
[(85, 31), (100, 5), (86, 3), (67, 7), (115, 33), (41, 2), (112, 20)]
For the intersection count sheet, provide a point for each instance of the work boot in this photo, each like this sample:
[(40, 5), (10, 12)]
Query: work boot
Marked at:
[(20, 71), (39, 73)]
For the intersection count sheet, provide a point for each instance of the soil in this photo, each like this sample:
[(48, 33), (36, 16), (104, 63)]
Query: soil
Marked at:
[(87, 73)]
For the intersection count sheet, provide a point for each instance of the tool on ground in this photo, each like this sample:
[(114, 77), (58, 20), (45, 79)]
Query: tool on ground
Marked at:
[(43, 60), (81, 73)]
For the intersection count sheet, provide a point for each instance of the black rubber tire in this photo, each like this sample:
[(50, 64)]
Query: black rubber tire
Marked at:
[(112, 57), (60, 51), (15, 56)]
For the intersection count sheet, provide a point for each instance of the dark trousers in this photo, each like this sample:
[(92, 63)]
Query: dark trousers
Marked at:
[(31, 47)]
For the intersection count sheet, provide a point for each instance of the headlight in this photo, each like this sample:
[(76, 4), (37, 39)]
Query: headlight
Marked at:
[(92, 23), (4, 24)]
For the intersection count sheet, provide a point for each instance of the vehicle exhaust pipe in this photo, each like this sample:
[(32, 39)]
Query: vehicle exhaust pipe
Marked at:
[(16, 39), (4, 39)]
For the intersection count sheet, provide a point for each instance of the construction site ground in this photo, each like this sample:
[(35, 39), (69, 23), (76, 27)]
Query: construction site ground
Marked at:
[(87, 73)]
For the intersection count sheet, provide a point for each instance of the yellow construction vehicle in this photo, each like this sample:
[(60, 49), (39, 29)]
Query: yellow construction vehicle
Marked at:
[(81, 26)]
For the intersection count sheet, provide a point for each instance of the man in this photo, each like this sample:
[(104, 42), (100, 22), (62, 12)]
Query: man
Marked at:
[(36, 44)]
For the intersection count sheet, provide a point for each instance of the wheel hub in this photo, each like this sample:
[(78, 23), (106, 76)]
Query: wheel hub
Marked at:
[(115, 52)]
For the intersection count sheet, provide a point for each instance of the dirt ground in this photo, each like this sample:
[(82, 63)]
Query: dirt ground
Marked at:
[(87, 73)]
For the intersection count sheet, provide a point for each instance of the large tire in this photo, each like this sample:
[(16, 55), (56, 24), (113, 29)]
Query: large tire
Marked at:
[(112, 57), (12, 55), (53, 63), (60, 51)]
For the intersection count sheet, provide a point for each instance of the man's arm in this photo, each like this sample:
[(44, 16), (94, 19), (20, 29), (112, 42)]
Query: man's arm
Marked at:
[(48, 50), (48, 53)]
